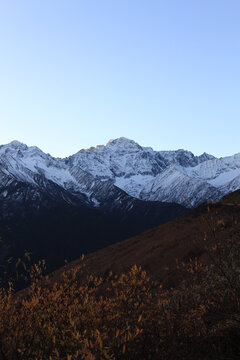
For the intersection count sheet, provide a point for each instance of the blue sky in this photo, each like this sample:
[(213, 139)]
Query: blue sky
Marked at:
[(77, 73)]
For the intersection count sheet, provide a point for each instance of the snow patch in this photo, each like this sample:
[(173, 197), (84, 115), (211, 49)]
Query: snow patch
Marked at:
[(4, 193)]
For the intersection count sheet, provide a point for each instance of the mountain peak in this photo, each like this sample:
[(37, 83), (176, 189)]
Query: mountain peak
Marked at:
[(14, 145), (123, 142), (17, 144), (205, 156)]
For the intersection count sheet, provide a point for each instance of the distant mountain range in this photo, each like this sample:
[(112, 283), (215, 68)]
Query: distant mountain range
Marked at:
[(94, 176), (161, 175), (101, 195)]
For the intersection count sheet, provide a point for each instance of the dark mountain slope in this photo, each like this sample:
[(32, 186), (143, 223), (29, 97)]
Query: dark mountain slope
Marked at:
[(55, 225), (157, 249)]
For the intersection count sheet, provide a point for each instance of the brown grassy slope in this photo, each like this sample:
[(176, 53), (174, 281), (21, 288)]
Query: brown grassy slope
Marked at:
[(156, 250)]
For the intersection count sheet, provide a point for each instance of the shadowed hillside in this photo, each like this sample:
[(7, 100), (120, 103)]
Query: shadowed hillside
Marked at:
[(157, 249), (60, 231)]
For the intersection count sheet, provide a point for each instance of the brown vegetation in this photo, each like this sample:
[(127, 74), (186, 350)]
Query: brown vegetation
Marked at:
[(131, 315)]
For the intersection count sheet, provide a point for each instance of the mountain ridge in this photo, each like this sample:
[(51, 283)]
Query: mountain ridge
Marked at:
[(141, 172)]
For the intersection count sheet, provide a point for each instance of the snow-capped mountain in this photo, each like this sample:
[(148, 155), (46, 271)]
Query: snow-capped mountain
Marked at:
[(29, 176), (97, 176), (168, 176)]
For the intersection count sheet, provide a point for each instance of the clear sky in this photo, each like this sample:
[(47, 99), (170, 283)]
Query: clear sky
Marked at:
[(76, 73)]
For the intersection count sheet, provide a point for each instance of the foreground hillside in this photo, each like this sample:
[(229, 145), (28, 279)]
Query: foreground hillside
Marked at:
[(128, 312)]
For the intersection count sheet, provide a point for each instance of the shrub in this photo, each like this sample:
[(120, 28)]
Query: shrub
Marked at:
[(130, 316)]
